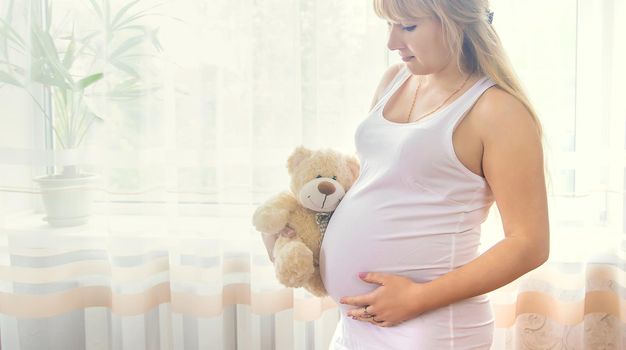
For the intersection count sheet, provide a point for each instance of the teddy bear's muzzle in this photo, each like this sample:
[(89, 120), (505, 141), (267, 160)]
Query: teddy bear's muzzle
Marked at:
[(326, 188)]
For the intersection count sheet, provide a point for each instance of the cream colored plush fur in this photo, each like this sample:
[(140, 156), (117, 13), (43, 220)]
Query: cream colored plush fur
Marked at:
[(319, 179)]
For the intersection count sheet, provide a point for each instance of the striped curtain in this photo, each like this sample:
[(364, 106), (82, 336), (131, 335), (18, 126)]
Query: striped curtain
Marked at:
[(216, 94)]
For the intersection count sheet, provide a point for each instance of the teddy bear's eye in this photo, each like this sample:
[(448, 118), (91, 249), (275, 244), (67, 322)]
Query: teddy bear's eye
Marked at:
[(335, 178), (318, 176)]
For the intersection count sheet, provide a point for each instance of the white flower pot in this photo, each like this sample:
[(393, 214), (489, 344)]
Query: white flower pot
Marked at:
[(67, 200)]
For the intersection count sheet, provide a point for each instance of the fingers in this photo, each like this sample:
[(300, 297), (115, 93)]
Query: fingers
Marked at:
[(373, 277), (377, 322), (269, 239), (381, 323), (362, 312), (367, 314), (287, 232), (359, 300), (373, 320)]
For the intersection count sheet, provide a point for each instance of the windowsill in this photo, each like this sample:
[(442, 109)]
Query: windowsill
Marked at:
[(225, 238), (135, 225)]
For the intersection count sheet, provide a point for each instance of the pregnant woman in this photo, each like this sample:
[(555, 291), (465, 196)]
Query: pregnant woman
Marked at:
[(449, 133)]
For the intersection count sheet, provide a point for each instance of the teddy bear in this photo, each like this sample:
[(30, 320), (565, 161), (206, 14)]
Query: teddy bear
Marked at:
[(318, 181)]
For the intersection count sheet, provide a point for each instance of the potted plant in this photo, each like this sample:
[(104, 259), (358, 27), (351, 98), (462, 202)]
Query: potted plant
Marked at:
[(67, 195)]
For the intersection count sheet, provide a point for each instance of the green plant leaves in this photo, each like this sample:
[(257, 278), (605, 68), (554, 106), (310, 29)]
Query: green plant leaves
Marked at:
[(125, 68), (8, 79), (46, 66), (121, 12), (97, 8), (68, 59), (85, 82), (127, 45), (129, 89), (154, 38), (6, 31), (117, 43)]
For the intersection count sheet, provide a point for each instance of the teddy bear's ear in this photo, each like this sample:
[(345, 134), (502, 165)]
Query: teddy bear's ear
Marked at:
[(355, 167), (299, 154)]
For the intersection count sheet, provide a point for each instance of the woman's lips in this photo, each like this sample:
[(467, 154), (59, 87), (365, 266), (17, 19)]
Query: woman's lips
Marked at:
[(405, 59)]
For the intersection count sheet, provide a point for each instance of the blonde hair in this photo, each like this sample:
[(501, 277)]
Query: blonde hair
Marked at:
[(470, 38)]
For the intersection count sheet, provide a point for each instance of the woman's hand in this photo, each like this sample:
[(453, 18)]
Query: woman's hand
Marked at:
[(395, 301), (269, 239)]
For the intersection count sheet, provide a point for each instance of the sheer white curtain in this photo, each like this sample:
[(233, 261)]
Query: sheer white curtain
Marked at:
[(169, 259)]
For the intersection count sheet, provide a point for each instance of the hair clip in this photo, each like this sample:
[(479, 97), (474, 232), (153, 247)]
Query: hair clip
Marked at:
[(489, 16)]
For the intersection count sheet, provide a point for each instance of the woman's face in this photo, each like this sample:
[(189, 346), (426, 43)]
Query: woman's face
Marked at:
[(420, 44)]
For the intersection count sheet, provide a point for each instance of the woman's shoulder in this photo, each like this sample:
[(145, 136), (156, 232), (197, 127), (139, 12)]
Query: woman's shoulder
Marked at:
[(393, 71), (495, 98), (498, 110), (388, 76)]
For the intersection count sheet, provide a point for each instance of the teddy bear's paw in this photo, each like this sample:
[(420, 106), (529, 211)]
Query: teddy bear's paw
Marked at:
[(270, 220), (315, 285), (294, 264)]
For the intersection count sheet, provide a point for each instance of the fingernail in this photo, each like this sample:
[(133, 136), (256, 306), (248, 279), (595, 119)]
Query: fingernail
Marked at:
[(362, 274)]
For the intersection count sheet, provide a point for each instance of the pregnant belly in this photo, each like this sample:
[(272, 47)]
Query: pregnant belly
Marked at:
[(370, 238)]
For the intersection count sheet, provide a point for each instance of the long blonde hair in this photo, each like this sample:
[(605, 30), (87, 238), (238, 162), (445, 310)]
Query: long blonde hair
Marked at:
[(469, 36)]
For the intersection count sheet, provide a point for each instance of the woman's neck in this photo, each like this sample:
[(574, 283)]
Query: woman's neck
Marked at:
[(447, 79)]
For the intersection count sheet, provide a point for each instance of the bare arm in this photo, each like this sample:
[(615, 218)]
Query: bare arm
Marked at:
[(513, 167)]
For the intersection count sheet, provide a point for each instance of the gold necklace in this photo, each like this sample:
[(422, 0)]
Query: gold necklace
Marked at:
[(442, 103)]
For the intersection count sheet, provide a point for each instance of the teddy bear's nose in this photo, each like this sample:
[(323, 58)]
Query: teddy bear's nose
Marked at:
[(326, 188)]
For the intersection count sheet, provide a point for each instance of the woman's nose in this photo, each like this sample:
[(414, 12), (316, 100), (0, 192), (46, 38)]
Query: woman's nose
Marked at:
[(394, 42)]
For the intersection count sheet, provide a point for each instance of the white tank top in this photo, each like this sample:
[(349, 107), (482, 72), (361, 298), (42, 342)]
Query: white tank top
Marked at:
[(415, 210)]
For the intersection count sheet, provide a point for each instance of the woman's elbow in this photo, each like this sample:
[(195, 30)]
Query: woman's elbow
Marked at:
[(540, 253)]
